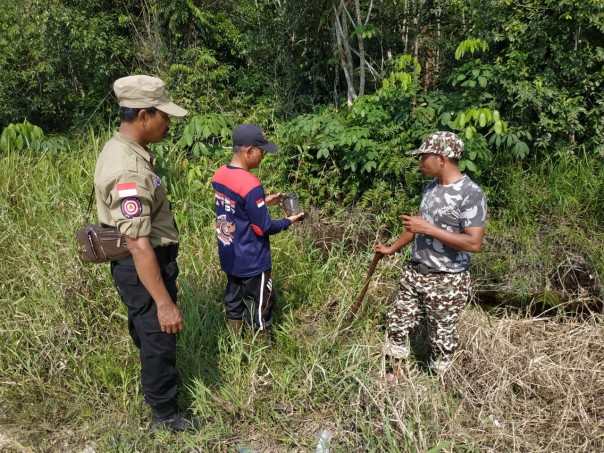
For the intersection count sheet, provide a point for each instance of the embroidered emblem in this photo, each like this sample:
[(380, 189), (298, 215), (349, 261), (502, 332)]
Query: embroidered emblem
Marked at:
[(131, 207), (260, 202), (224, 230), (126, 189), (157, 180)]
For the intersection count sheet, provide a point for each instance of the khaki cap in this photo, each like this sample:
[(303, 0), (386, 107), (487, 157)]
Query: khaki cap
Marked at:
[(141, 91)]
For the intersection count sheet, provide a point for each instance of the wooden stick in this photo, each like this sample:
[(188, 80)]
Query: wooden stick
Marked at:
[(359, 300)]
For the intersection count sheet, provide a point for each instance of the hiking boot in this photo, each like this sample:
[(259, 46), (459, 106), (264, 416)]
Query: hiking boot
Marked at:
[(175, 420), (265, 336), (397, 351), (440, 365), (235, 325)]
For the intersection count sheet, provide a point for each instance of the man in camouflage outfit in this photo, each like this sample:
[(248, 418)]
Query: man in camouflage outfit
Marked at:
[(435, 283)]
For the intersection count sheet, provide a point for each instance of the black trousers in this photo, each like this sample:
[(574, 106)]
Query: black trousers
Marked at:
[(251, 299), (157, 349)]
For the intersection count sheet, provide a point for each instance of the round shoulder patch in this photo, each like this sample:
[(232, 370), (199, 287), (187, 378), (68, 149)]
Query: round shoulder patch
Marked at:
[(131, 207)]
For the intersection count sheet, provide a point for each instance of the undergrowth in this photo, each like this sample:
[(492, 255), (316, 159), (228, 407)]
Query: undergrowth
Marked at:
[(70, 374)]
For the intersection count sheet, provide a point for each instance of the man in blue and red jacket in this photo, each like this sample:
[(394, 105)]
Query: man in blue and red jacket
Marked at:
[(243, 227)]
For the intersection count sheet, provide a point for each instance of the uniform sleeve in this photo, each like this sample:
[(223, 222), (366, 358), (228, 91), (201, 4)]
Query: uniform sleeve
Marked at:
[(261, 221), (473, 209), (131, 203)]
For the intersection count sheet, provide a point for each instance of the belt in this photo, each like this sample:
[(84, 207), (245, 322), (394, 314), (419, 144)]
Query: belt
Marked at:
[(164, 254), (421, 268)]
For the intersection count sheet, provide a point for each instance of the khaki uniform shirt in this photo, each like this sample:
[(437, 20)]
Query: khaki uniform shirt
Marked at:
[(128, 192)]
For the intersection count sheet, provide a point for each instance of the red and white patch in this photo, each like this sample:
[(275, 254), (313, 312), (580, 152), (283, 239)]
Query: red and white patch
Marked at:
[(126, 189), (260, 202), (131, 207)]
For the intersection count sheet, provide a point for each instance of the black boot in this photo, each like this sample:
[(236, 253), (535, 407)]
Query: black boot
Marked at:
[(173, 419), (265, 335), (235, 325)]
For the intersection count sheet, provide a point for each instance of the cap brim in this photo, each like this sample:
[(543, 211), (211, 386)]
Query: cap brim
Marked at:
[(269, 147), (172, 109)]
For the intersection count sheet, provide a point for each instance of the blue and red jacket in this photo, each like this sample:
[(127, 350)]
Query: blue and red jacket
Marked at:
[(243, 224)]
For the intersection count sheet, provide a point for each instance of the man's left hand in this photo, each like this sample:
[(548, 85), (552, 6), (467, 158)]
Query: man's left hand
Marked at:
[(416, 224)]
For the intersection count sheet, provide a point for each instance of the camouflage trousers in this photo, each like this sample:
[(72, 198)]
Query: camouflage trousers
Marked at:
[(439, 297)]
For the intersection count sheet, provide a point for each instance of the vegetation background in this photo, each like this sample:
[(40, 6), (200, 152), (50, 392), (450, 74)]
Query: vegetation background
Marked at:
[(344, 88)]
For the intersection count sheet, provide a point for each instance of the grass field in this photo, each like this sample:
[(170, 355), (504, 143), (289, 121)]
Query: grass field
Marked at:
[(70, 375)]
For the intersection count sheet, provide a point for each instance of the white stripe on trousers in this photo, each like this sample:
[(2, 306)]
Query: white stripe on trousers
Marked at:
[(260, 302)]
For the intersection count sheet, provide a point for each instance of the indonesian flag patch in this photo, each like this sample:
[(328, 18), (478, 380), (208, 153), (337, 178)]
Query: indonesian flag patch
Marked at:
[(260, 202), (126, 189)]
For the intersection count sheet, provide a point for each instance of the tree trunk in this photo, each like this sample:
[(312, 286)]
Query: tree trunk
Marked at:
[(344, 49), (418, 24), (406, 26), (439, 38), (343, 45), (361, 42)]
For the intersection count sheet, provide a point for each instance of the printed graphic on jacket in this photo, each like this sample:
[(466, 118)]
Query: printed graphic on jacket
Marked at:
[(224, 230)]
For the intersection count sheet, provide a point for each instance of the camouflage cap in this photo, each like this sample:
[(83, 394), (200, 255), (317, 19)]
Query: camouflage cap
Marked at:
[(445, 143)]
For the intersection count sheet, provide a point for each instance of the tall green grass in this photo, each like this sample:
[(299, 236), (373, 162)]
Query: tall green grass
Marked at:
[(70, 374), (69, 370)]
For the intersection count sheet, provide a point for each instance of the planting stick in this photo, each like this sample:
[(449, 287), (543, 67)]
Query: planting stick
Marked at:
[(357, 303)]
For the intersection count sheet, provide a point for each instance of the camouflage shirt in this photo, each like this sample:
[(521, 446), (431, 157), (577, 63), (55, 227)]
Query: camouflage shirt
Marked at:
[(452, 208)]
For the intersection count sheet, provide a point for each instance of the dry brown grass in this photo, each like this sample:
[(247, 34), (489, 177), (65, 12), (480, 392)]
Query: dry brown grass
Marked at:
[(519, 383), (531, 384), (516, 385)]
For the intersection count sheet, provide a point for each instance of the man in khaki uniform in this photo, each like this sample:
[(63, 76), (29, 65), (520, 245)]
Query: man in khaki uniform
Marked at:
[(131, 196)]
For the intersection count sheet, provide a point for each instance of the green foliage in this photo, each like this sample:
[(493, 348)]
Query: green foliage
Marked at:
[(515, 142), (405, 73), (470, 45), (544, 232), (478, 156), (364, 145), (474, 74), (205, 133), (547, 68), (198, 60), (346, 147), (198, 80), (540, 65), (23, 136), (58, 61), (367, 31)]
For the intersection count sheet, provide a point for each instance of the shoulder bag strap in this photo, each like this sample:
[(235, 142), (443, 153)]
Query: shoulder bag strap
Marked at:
[(89, 206)]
